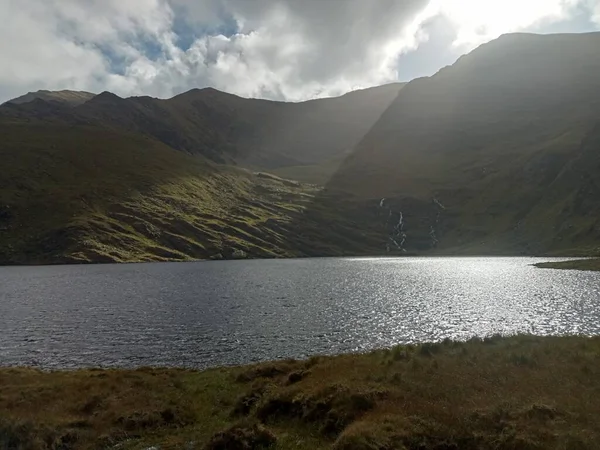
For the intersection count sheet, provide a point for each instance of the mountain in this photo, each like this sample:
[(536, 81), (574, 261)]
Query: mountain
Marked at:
[(507, 140), (72, 194), (66, 97), (496, 154), (229, 129), (118, 179)]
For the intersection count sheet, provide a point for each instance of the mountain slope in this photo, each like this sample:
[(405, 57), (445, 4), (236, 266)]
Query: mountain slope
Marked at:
[(497, 154), (506, 140), (66, 97), (226, 128), (84, 194)]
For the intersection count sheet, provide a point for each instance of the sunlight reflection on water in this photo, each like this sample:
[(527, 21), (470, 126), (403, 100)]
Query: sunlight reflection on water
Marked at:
[(233, 312)]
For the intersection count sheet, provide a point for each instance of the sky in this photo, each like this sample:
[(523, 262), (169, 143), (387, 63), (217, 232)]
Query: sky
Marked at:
[(276, 49)]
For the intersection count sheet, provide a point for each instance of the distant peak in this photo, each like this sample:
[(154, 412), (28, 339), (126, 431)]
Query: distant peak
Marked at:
[(65, 97), (205, 90), (106, 96)]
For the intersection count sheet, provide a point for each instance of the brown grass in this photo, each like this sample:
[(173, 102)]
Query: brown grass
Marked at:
[(499, 393)]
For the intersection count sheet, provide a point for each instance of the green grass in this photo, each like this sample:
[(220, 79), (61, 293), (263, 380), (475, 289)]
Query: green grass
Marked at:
[(580, 264), (498, 393), (82, 194)]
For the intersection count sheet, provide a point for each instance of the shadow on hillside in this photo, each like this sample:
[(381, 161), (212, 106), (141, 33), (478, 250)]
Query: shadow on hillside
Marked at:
[(340, 221)]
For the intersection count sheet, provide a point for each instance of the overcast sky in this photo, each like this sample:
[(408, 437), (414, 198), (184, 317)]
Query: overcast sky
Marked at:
[(277, 49)]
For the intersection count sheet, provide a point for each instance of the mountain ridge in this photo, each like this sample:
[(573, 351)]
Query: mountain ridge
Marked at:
[(68, 97), (489, 137), (227, 128), (495, 155), (49, 95)]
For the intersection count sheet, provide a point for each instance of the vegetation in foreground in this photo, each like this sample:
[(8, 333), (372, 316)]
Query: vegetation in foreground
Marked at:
[(521, 392), (579, 264)]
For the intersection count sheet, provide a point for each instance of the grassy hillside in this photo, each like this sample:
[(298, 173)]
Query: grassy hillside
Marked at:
[(507, 140), (496, 154), (82, 194), (522, 392)]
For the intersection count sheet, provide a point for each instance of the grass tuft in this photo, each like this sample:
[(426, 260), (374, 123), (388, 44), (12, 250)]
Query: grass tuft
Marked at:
[(242, 437), (520, 392)]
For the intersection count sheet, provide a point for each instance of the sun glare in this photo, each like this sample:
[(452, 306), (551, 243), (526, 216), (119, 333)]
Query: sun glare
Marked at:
[(478, 21)]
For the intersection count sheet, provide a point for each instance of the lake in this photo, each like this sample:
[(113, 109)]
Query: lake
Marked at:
[(206, 314)]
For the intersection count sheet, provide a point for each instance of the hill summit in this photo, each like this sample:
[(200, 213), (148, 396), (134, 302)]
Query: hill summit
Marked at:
[(66, 97)]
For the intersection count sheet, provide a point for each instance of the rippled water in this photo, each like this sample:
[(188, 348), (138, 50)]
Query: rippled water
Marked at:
[(214, 313)]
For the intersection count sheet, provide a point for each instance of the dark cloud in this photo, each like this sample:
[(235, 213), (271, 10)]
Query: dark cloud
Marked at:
[(284, 49)]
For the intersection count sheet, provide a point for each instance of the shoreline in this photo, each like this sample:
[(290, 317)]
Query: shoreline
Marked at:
[(588, 265), (571, 258), (500, 392)]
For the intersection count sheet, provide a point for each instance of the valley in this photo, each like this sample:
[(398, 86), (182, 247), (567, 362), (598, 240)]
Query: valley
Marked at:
[(494, 155), (90, 195)]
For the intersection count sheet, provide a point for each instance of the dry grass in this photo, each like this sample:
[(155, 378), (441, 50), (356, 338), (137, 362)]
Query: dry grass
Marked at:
[(500, 393)]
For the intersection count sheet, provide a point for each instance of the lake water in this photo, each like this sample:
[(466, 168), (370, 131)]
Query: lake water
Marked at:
[(231, 312)]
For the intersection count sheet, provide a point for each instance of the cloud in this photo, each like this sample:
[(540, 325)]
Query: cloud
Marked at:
[(594, 6), (289, 50), (69, 44), (278, 49), (479, 21)]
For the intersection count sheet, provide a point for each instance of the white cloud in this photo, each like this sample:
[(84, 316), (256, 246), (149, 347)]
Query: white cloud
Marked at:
[(479, 21), (594, 6), (283, 49), (58, 44), (34, 52), (291, 50)]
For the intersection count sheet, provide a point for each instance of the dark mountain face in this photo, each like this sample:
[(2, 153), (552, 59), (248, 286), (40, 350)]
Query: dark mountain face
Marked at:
[(495, 139), (226, 128), (497, 154)]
